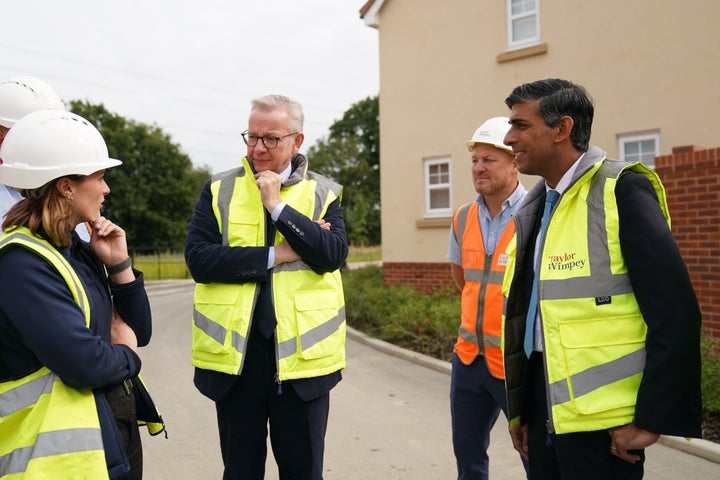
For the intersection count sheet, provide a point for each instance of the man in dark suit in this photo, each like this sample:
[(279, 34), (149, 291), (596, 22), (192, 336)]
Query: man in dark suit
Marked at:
[(265, 245), (602, 326)]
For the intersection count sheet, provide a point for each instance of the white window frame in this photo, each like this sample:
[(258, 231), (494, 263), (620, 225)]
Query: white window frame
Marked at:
[(437, 212), (514, 45), (623, 140)]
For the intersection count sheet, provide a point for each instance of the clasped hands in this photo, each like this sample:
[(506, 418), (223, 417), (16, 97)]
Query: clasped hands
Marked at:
[(269, 184)]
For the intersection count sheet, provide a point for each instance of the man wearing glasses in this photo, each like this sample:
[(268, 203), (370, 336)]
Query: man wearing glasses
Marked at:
[(265, 245)]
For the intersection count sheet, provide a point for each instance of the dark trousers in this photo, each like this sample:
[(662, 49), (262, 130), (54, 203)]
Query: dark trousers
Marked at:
[(476, 398), (570, 456), (122, 402), (297, 427)]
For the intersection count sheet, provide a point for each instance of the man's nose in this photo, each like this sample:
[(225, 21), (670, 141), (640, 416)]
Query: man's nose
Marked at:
[(509, 138)]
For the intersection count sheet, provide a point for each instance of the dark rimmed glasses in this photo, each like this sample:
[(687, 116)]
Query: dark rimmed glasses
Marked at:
[(269, 141)]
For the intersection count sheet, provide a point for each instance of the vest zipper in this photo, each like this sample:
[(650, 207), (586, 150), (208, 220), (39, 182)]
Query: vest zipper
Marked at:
[(549, 426), (481, 305), (279, 383)]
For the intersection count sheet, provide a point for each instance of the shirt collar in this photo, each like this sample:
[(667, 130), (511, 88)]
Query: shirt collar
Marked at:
[(564, 182), (285, 174)]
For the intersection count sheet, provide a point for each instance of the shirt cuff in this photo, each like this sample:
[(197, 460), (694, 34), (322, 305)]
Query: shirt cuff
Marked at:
[(275, 214), (271, 258)]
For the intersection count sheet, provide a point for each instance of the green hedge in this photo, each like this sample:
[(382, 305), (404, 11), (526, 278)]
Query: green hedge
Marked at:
[(425, 323)]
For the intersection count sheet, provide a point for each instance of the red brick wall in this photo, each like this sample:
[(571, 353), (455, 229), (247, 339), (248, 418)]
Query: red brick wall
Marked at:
[(426, 277), (691, 176)]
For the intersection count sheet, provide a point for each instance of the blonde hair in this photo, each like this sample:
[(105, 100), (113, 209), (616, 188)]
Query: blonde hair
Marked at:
[(43, 209)]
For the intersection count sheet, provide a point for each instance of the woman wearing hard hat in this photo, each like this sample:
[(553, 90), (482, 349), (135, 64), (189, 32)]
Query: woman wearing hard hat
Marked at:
[(68, 367)]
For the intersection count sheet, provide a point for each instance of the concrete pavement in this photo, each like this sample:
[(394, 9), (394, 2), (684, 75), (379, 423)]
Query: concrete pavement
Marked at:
[(389, 417)]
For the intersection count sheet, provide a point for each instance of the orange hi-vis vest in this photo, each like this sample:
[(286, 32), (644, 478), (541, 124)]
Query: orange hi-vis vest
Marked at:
[(482, 301)]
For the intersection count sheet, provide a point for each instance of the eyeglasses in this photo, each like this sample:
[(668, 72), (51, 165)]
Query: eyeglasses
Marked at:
[(269, 141)]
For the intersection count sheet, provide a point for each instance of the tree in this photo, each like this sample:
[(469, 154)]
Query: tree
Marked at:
[(351, 156), (155, 189)]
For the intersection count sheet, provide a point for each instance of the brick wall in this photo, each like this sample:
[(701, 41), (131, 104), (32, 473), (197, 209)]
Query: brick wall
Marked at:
[(426, 277), (691, 176)]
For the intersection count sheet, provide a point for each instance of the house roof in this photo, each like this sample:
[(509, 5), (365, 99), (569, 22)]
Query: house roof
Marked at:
[(370, 12), (366, 7)]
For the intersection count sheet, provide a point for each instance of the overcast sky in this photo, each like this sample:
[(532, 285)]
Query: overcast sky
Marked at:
[(192, 67)]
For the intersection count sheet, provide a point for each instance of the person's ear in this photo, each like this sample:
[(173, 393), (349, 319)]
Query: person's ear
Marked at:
[(299, 138), (564, 129), (64, 186)]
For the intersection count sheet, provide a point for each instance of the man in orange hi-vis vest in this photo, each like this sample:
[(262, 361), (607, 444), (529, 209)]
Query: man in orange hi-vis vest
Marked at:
[(479, 236)]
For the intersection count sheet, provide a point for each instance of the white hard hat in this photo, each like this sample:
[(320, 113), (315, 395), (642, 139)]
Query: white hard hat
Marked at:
[(50, 144), (492, 132), (24, 94)]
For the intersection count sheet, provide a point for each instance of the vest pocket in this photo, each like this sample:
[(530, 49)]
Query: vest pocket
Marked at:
[(245, 232), (318, 322), (603, 362), (213, 318)]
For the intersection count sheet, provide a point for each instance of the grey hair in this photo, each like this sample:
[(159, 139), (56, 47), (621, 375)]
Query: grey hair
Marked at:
[(292, 107)]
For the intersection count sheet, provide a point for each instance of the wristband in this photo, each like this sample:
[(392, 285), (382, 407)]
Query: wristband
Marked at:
[(118, 267)]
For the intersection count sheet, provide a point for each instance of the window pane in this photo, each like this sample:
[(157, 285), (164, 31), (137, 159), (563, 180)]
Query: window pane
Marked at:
[(440, 198), (524, 29), (632, 148), (521, 6), (647, 146), (439, 174), (444, 173), (641, 151)]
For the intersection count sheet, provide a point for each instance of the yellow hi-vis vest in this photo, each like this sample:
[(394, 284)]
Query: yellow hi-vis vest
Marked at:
[(482, 300), (593, 330), (47, 429), (310, 307)]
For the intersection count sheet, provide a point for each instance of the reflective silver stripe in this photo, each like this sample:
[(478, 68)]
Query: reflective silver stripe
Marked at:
[(76, 281), (492, 340), (312, 337), (598, 376), (297, 266), (52, 443), (585, 287), (27, 394), (467, 335), (217, 332), (227, 186), (602, 281), (324, 187), (488, 340), (476, 275), (462, 222)]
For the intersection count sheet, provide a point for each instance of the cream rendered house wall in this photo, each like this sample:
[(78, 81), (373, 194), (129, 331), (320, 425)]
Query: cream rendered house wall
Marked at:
[(650, 66)]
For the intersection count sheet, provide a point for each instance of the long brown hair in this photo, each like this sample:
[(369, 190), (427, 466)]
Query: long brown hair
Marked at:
[(46, 210)]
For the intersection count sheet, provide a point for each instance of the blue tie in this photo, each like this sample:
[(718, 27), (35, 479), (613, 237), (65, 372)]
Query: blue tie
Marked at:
[(550, 200)]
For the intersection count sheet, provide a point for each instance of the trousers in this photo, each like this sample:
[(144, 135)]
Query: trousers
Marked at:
[(476, 399), (255, 401)]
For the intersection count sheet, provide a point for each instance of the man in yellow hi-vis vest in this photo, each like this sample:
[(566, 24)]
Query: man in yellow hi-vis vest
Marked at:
[(479, 236), (265, 246), (602, 326)]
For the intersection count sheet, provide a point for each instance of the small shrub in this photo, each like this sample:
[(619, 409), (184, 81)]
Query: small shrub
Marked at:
[(710, 348), (425, 323)]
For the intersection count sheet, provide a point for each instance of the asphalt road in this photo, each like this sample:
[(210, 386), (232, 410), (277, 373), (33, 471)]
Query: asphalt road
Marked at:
[(389, 417)]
